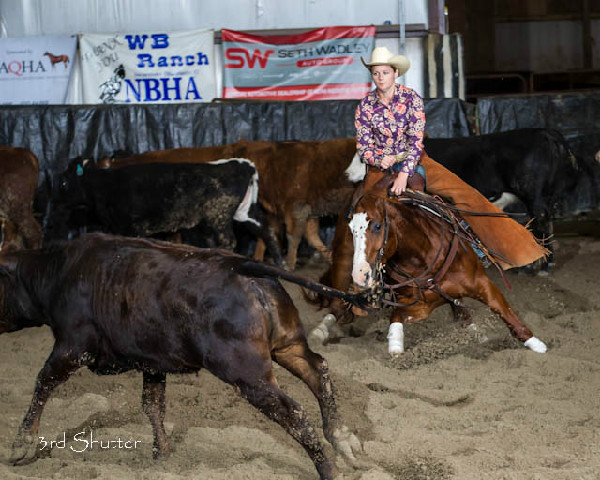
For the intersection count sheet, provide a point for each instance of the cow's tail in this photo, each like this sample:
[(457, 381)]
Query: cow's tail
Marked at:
[(316, 298), (258, 269)]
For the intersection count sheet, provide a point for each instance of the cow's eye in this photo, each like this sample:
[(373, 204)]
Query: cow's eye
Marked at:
[(64, 185)]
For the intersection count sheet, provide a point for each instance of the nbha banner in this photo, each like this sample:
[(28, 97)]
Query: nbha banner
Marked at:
[(322, 64), (156, 67), (35, 70)]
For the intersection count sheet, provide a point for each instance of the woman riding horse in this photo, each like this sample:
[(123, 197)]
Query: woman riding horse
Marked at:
[(390, 123)]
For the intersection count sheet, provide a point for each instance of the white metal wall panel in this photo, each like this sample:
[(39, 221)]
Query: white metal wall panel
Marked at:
[(25, 18)]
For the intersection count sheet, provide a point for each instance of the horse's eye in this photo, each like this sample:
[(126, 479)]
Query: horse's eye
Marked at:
[(376, 228), (64, 185)]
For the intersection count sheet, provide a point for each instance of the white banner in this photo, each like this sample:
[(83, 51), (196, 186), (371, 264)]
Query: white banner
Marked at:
[(35, 70), (157, 67)]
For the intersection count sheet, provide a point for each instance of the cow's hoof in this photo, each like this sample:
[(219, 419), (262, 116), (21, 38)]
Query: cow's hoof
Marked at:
[(346, 443), (161, 453), (24, 450), (536, 345)]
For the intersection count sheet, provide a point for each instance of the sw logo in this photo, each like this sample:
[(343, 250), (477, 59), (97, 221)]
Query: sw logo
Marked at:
[(240, 57)]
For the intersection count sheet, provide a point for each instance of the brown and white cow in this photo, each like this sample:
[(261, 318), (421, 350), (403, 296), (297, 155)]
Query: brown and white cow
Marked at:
[(299, 181), (19, 173)]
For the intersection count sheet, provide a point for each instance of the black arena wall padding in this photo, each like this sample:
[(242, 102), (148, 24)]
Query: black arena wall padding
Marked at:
[(58, 133)]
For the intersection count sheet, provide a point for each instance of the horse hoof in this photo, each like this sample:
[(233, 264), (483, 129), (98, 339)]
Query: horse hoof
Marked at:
[(396, 353), (536, 345)]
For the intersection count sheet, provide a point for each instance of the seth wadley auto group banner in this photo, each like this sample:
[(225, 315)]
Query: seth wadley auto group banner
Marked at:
[(35, 70), (317, 65), (151, 67)]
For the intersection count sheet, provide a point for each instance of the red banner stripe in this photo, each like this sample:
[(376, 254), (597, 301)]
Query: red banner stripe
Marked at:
[(325, 33)]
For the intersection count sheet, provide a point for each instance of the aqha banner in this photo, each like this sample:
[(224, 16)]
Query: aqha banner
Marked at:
[(322, 64), (156, 67), (35, 70)]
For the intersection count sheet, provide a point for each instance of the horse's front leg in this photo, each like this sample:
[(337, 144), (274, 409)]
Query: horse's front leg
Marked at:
[(400, 316)]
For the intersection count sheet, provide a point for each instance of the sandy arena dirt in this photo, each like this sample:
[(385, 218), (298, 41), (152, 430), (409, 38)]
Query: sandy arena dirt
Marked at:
[(460, 404)]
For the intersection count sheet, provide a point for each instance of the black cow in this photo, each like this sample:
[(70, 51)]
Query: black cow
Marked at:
[(161, 198), (116, 304), (534, 164)]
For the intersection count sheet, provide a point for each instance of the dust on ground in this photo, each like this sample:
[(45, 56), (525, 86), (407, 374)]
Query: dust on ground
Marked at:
[(461, 403)]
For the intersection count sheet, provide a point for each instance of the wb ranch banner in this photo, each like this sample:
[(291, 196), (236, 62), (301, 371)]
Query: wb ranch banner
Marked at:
[(321, 64), (156, 67), (35, 70)]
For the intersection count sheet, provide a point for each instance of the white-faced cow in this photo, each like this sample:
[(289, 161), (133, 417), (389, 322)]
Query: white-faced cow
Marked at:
[(160, 198), (300, 181)]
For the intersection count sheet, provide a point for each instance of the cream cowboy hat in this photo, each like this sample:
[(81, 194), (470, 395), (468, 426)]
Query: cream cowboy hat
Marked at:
[(382, 56)]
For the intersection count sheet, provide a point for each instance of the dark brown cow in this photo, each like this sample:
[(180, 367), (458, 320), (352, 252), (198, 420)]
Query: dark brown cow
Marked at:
[(116, 304), (299, 181), (19, 172), (427, 262)]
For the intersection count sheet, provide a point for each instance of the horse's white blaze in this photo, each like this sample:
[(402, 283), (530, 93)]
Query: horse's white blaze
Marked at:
[(361, 270), (357, 170), (505, 200), (396, 339), (536, 345)]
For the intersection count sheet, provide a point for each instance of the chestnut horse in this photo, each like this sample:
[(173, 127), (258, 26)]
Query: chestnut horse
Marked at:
[(415, 248), (54, 59)]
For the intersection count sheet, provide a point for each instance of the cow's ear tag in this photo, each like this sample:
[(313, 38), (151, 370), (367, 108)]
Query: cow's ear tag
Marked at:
[(79, 171)]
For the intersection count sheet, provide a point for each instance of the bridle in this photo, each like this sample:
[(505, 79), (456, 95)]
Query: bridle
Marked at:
[(383, 293)]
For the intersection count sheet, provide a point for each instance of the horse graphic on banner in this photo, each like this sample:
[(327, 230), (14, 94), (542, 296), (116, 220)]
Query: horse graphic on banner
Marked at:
[(54, 59)]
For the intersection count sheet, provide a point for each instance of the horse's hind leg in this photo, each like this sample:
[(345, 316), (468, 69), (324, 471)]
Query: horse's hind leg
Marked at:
[(275, 404), (491, 295), (313, 370)]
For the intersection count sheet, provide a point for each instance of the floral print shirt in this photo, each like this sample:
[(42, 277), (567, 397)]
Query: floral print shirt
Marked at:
[(396, 129)]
